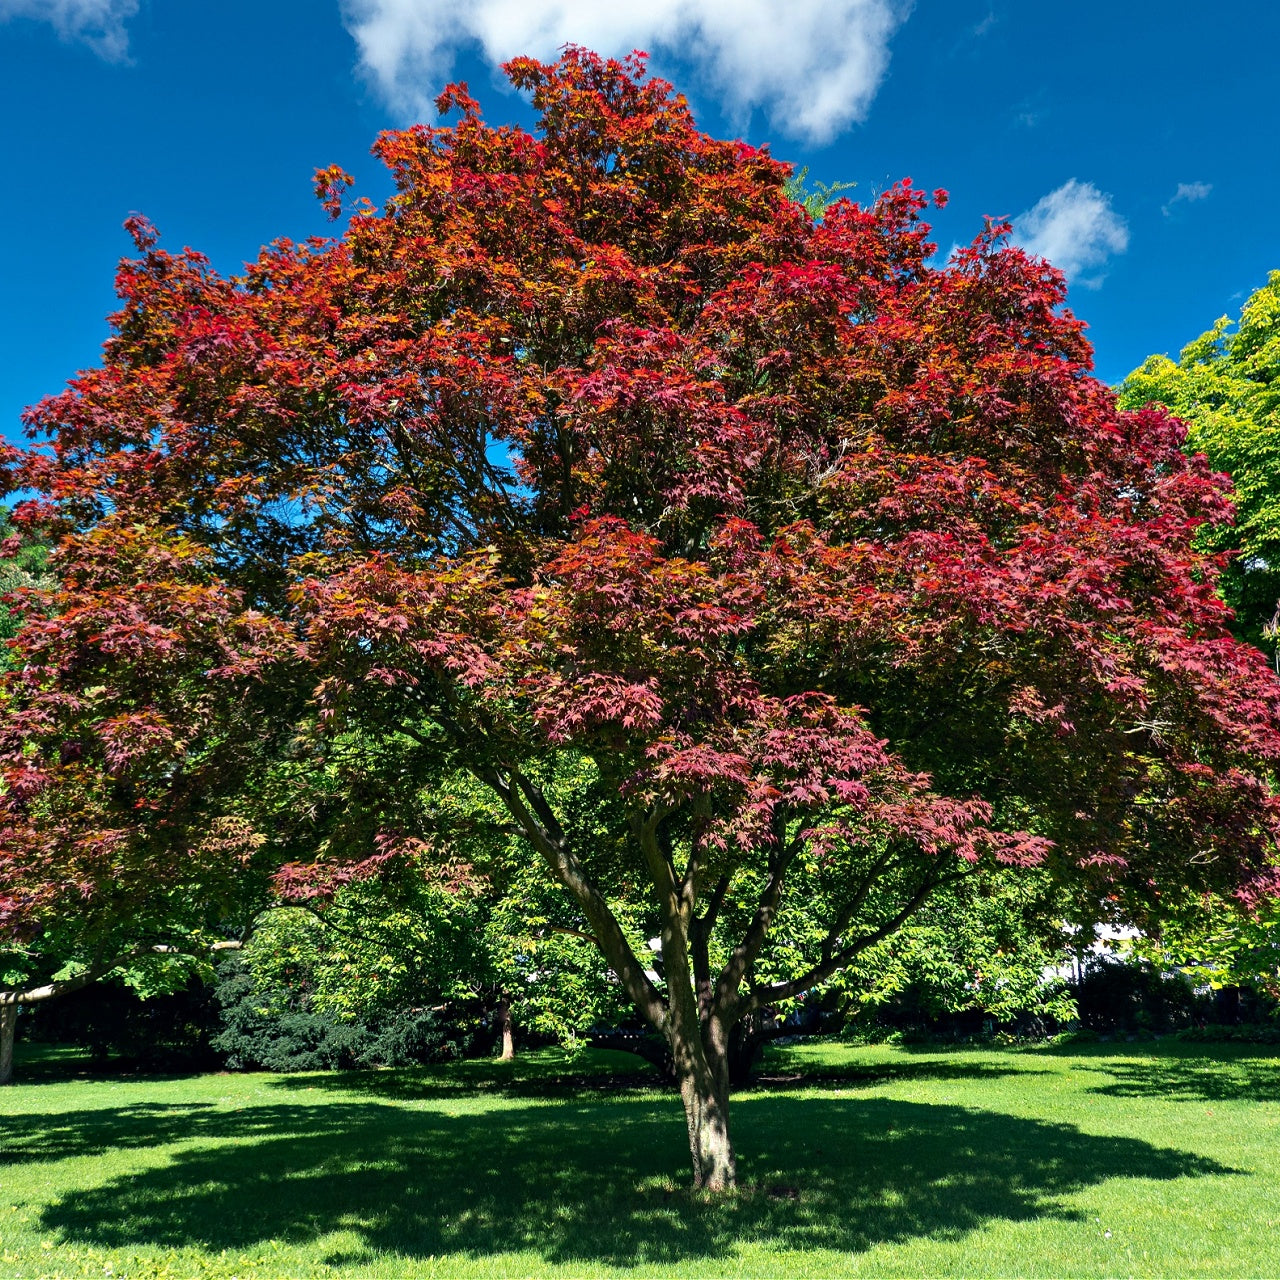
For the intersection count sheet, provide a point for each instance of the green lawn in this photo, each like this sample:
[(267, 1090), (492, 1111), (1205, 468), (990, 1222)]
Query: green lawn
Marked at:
[(1137, 1159)]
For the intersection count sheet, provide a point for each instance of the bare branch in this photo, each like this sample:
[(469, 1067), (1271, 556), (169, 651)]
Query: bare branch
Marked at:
[(575, 933), (708, 918), (744, 954)]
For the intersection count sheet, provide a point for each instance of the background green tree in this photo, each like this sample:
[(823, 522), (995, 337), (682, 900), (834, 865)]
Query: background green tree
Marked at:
[(453, 917), (988, 947), (1226, 386), (24, 567), (1219, 946)]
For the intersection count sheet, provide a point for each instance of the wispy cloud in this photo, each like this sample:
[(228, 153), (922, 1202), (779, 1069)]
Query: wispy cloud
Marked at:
[(98, 23), (1187, 193), (813, 65), (1076, 229), (1032, 111)]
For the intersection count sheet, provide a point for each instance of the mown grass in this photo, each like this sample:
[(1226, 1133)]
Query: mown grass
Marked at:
[(1154, 1159)]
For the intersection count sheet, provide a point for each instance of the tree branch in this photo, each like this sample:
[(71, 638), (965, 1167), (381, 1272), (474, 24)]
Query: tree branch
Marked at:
[(574, 933), (744, 954), (844, 916), (521, 798), (61, 987), (99, 968), (315, 914), (825, 968), (708, 918)]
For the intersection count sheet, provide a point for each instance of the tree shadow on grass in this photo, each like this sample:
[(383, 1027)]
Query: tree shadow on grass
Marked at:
[(44, 1064), (782, 1074), (1174, 1070), (567, 1082), (581, 1183), (419, 1084), (46, 1137), (1194, 1079)]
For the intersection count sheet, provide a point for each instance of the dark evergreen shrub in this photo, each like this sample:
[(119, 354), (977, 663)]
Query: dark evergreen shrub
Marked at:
[(414, 1035), (279, 1030)]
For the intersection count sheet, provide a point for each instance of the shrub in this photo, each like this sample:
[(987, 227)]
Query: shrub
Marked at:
[(278, 1029)]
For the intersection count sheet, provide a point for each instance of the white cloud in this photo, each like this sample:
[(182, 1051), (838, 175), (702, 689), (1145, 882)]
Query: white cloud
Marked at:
[(97, 23), (1075, 228), (1187, 193), (813, 65)]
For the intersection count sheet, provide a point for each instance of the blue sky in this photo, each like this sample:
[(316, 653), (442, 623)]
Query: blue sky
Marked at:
[(1134, 143)]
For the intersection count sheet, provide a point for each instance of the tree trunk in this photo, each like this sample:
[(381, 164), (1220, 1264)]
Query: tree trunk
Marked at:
[(506, 1024), (746, 1040), (706, 1112), (8, 1032), (699, 1037)]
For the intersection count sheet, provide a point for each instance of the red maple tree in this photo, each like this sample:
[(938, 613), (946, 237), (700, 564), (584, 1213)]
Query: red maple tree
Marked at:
[(822, 569), (123, 836)]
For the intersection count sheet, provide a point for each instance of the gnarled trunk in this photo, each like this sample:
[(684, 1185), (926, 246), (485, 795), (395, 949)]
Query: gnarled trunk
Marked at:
[(699, 1047), (704, 1091), (8, 1032)]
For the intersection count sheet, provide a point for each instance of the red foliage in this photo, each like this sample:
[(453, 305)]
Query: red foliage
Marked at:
[(124, 723), (593, 441)]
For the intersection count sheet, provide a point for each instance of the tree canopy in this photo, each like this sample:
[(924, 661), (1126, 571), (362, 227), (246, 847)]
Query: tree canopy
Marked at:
[(823, 574), (1226, 387)]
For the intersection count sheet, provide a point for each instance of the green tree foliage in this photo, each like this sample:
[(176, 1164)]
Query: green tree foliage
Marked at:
[(1226, 386), (467, 950), (381, 955), (1222, 946), (984, 947), (24, 566), (465, 920), (816, 200)]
